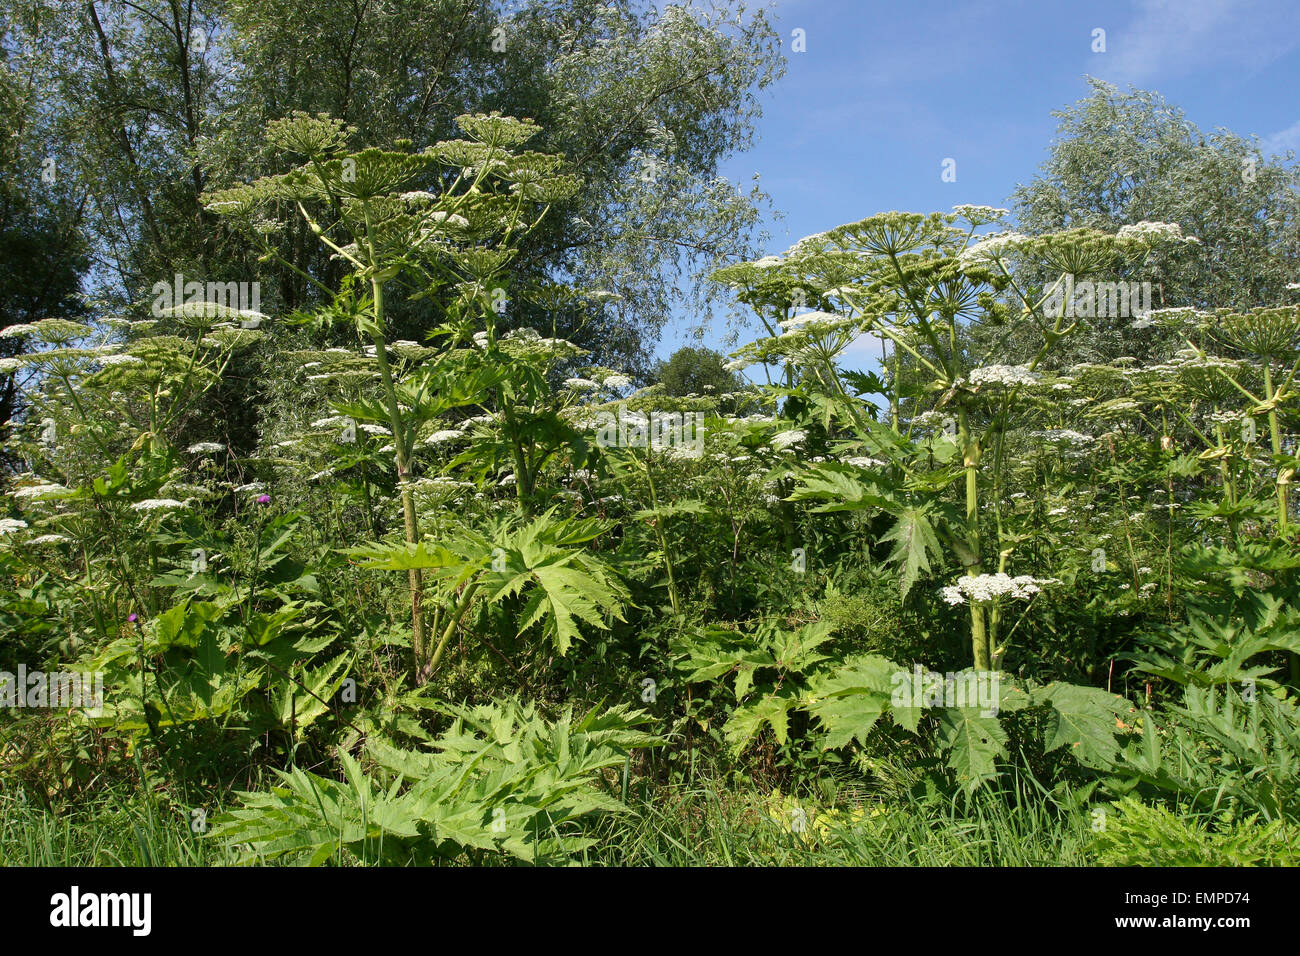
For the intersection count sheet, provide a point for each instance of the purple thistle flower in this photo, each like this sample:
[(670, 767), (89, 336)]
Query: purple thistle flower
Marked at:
[(263, 499), (132, 618)]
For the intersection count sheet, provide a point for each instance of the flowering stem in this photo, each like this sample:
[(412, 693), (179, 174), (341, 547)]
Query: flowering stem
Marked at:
[(971, 457), (1275, 436), (412, 527)]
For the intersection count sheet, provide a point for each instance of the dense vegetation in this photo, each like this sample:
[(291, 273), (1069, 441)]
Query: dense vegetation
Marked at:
[(404, 567)]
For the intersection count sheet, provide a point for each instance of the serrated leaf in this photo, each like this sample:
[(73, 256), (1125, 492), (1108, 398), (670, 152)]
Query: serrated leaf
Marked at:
[(1084, 719), (974, 742), (914, 540), (847, 717)]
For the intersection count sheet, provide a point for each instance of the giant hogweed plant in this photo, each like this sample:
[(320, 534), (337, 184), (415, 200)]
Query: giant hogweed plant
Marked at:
[(501, 780), (1237, 368), (454, 245), (107, 406), (189, 628), (778, 674), (1212, 428), (915, 281)]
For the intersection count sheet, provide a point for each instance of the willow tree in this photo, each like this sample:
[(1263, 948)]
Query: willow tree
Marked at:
[(1127, 156)]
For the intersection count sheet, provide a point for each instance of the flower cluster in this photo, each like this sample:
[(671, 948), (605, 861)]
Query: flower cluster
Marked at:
[(446, 434), (38, 490), (1154, 232), (986, 587), (1063, 435), (1008, 375), (157, 504), (992, 247), (979, 215)]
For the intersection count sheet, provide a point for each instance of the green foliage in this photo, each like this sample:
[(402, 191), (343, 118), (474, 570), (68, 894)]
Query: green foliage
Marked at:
[(1139, 835), (562, 583), (905, 609), (501, 779), (1220, 754), (696, 371), (777, 673)]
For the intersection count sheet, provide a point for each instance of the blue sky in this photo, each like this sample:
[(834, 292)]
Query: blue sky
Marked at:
[(885, 91)]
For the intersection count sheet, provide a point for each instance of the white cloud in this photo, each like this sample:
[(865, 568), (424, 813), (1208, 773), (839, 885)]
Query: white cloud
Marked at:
[(862, 354), (1174, 37), (1282, 140)]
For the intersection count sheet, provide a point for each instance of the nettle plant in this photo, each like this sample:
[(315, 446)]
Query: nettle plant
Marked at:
[(916, 282), (477, 388)]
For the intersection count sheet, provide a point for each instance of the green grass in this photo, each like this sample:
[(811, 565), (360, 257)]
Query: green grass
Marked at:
[(705, 827), (674, 826), (112, 830)]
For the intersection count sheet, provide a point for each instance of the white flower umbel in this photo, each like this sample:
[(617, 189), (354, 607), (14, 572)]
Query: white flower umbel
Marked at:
[(334, 421), (204, 447), (1155, 232), (979, 214), (808, 318), (616, 382), (1063, 435), (581, 384), (158, 504), (38, 491), (992, 248), (10, 525), (451, 219), (985, 588), (1007, 375), (447, 434), (121, 359)]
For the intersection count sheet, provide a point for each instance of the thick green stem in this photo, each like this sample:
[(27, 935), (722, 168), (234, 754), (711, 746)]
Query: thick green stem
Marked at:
[(466, 596), (1283, 480), (524, 483), (1275, 437), (412, 527), (971, 458)]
